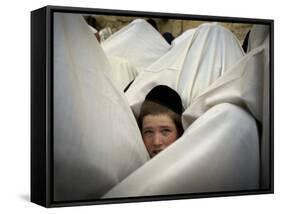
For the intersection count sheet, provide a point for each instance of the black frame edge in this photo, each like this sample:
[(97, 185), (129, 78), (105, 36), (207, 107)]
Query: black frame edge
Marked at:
[(271, 109), (39, 154), (42, 103)]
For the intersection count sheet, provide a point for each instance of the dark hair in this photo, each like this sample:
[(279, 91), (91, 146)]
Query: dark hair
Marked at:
[(168, 37), (91, 21), (153, 23), (166, 96), (153, 108)]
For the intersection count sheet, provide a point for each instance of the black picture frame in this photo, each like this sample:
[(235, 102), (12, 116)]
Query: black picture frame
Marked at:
[(42, 107)]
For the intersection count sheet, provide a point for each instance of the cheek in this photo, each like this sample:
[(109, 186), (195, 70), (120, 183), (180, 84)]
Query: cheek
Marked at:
[(148, 146), (171, 138), (147, 142)]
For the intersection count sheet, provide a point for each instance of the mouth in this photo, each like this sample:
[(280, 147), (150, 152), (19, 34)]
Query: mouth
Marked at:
[(155, 152)]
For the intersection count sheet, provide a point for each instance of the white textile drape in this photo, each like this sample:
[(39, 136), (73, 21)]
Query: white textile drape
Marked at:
[(96, 144), (219, 152), (98, 150), (138, 42), (194, 62)]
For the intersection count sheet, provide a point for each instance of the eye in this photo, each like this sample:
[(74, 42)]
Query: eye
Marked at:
[(147, 132), (166, 131)]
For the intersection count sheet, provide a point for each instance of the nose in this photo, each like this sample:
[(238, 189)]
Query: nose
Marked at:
[(157, 141)]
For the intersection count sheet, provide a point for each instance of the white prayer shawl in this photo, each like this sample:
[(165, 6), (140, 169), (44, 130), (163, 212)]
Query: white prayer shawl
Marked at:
[(138, 42), (220, 141), (186, 34), (122, 72), (98, 150), (257, 36), (266, 139), (242, 85), (96, 139), (218, 152), (193, 63), (92, 29)]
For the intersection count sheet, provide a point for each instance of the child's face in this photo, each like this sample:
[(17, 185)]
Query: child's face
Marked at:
[(158, 132)]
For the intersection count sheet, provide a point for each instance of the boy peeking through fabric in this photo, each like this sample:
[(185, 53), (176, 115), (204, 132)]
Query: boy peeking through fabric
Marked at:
[(160, 119)]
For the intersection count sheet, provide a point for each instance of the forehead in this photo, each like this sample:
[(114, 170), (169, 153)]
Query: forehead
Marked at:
[(157, 121)]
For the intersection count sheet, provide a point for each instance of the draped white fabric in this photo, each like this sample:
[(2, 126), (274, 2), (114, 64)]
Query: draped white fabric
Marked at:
[(257, 36), (98, 150), (218, 152), (122, 72), (194, 62), (96, 144), (242, 85), (134, 41)]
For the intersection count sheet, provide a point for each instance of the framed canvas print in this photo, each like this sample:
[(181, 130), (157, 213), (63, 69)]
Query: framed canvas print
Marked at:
[(131, 106)]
